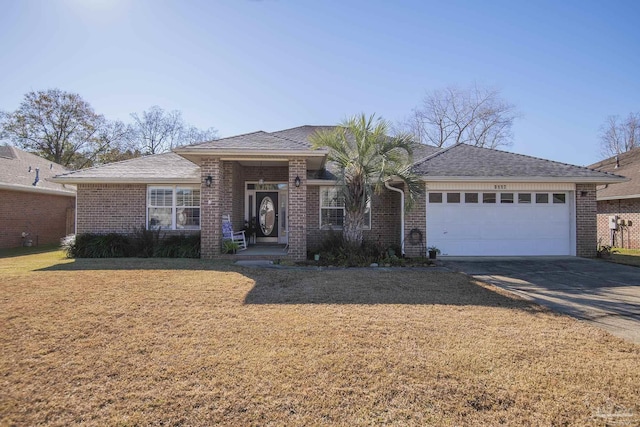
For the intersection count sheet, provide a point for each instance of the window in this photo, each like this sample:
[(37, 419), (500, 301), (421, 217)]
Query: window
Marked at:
[(488, 197), (542, 198), (453, 197), (524, 197), (559, 198), (332, 209), (435, 197), (506, 197), (471, 197), (173, 208)]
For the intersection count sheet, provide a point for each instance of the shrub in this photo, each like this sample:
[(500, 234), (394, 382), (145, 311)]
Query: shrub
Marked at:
[(333, 250), (180, 246), (88, 245), (143, 243), (68, 245)]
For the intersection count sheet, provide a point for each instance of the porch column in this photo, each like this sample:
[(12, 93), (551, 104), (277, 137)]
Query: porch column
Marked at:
[(227, 191), (416, 218), (211, 208), (298, 209)]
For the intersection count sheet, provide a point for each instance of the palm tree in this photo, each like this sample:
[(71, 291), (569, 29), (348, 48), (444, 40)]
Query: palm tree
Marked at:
[(367, 157)]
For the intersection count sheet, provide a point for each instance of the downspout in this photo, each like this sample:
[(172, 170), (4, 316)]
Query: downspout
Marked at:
[(386, 184)]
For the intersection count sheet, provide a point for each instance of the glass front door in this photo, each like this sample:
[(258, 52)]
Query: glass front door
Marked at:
[(267, 216)]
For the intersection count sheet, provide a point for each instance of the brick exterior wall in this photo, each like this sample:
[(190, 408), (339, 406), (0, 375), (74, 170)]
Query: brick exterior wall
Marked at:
[(44, 216), (211, 206), (385, 219), (111, 208), (626, 236), (297, 209), (416, 218), (586, 225)]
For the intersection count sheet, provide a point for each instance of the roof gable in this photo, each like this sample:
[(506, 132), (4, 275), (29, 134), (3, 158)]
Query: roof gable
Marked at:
[(468, 161), (259, 140), (165, 167)]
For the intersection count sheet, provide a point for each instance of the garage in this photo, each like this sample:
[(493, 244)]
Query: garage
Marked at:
[(501, 223)]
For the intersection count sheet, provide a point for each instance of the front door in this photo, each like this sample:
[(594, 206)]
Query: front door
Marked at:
[(267, 216)]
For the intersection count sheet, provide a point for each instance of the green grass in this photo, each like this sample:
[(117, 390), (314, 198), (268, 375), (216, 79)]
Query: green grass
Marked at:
[(626, 256), (21, 251)]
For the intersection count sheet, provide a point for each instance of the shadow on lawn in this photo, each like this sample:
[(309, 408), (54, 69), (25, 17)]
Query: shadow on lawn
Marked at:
[(96, 264), (363, 286), (30, 250), (311, 286)]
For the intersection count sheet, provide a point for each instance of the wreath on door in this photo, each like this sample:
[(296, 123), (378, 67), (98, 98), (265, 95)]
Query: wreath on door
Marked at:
[(415, 237)]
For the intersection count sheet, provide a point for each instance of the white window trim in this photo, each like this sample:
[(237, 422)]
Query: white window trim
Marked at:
[(330, 227), (498, 194), (174, 209)]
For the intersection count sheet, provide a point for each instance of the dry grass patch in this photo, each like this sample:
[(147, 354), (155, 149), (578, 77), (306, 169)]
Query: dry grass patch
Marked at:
[(190, 342)]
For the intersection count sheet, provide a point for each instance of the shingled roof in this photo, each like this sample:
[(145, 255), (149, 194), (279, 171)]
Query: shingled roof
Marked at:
[(156, 168), (458, 162), (294, 139), (628, 165), (18, 172), (468, 161)]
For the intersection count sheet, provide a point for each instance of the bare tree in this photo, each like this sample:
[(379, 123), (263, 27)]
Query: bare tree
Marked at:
[(61, 127), (157, 131), (619, 135), (476, 116)]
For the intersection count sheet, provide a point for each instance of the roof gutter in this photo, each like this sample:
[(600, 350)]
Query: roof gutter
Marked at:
[(386, 184), (42, 190), (630, 196), (123, 180), (585, 180)]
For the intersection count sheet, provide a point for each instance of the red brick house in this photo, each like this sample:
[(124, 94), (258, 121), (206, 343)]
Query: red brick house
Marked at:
[(621, 201), (33, 210), (476, 201)]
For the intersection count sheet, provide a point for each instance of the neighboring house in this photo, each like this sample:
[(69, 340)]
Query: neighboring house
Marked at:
[(33, 210), (477, 201), (621, 201)]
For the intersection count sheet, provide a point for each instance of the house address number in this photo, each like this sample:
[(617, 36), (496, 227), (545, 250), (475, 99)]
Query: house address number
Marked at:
[(499, 187)]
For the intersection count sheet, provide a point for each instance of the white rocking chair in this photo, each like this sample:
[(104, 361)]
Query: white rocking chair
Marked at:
[(234, 236)]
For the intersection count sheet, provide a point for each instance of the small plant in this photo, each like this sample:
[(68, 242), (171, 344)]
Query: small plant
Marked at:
[(433, 252), (230, 247), (604, 251), (68, 245), (250, 226)]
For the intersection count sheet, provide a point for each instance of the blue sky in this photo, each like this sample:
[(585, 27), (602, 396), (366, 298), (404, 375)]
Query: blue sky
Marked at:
[(241, 65)]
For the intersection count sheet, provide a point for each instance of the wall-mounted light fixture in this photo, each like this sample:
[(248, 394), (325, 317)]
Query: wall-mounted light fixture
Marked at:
[(208, 180), (297, 181)]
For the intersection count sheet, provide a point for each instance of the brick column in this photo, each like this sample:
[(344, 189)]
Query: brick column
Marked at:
[(227, 190), (586, 220), (211, 208), (298, 209), (416, 218)]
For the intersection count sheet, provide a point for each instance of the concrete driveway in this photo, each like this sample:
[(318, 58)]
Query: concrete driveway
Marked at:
[(602, 293)]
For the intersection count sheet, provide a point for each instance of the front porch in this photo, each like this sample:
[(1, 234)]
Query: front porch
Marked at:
[(262, 251), (269, 193)]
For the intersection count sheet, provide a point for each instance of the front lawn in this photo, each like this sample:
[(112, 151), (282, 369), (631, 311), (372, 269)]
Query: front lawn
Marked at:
[(189, 342), (626, 256)]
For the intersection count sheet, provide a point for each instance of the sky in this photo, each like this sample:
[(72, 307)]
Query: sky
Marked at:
[(246, 65)]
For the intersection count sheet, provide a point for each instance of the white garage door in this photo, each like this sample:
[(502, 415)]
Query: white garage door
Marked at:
[(500, 223)]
